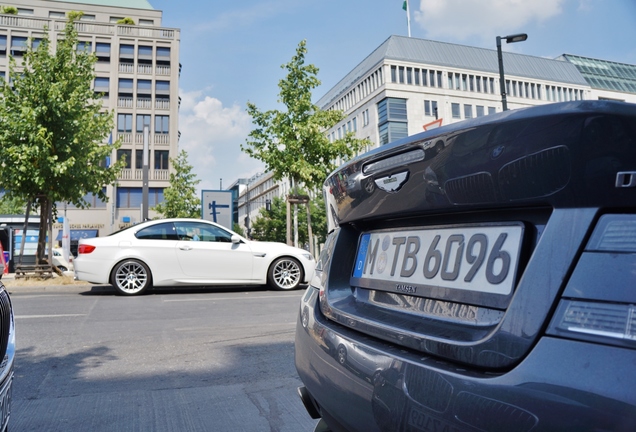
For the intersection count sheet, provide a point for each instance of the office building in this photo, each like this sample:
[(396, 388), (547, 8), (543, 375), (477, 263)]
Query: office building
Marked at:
[(137, 72)]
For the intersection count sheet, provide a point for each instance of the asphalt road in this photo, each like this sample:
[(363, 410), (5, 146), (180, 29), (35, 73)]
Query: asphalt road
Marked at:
[(194, 360)]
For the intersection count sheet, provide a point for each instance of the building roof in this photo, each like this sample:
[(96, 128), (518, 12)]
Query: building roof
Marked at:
[(427, 52), (604, 74), (131, 4)]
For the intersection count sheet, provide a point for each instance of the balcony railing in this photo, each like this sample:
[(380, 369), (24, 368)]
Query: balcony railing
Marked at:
[(88, 27), (144, 102), (124, 137), (20, 21), (144, 69), (124, 102), (161, 138), (126, 68), (138, 174), (163, 70), (162, 104)]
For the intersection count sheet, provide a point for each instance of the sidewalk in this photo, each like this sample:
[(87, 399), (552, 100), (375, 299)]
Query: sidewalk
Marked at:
[(56, 283)]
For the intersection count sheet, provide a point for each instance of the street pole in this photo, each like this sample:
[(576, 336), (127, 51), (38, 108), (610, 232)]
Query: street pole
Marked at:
[(502, 80), (144, 209)]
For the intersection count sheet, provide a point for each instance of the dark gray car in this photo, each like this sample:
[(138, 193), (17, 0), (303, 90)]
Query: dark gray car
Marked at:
[(491, 283)]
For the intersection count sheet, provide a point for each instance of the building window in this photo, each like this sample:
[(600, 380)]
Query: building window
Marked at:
[(163, 53), (468, 111), (18, 45), (162, 124), (125, 85), (144, 86), (126, 51), (146, 22), (142, 120), (430, 108), (87, 17), (365, 118), (102, 84), (161, 159), (416, 76), (57, 15), (162, 87), (139, 159), (25, 12), (480, 110), (144, 52), (133, 197), (124, 123), (455, 113), (102, 51), (392, 120), (84, 46), (393, 74), (492, 110), (127, 154)]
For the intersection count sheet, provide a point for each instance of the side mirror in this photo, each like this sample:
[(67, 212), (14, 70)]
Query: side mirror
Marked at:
[(235, 238)]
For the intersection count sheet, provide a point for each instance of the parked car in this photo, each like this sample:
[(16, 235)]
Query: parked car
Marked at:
[(59, 261), (7, 354), (188, 252), (486, 287)]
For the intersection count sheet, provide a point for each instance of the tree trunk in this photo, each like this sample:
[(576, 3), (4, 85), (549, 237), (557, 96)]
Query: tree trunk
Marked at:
[(310, 235), (24, 231)]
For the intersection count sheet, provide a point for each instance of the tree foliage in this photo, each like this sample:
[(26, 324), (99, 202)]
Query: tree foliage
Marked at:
[(271, 225), (11, 206), (292, 143), (52, 128), (180, 198)]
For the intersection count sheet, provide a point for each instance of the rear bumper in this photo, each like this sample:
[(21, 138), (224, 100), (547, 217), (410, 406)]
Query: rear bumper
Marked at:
[(361, 384)]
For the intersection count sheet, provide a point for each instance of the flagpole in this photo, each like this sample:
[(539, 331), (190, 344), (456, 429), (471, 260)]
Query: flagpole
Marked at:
[(408, 16)]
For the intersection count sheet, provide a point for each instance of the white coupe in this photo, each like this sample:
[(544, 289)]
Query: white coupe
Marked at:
[(172, 252)]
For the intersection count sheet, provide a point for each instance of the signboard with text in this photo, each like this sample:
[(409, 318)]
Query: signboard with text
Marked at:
[(217, 206)]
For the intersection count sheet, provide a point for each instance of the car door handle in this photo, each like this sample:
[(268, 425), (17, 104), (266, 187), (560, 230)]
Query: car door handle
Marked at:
[(185, 248)]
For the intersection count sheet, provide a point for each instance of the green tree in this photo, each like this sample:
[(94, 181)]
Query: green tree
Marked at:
[(9, 10), (126, 20), (180, 199), (293, 143), (52, 128), (271, 225), (11, 206)]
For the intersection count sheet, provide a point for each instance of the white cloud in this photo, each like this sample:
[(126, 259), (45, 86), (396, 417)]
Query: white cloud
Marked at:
[(479, 21), (212, 134)]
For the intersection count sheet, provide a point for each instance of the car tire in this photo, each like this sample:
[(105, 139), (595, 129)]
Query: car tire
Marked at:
[(131, 277), (285, 274), (62, 268)]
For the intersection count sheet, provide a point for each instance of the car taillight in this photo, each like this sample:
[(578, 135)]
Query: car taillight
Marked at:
[(599, 302), (85, 249)]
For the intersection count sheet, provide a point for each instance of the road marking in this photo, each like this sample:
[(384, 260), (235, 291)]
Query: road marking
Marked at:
[(232, 298), (49, 316)]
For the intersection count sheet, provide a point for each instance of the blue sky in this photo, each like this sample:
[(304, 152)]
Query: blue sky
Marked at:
[(232, 52)]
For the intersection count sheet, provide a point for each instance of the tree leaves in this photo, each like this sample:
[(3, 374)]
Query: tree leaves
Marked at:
[(292, 143), (180, 199)]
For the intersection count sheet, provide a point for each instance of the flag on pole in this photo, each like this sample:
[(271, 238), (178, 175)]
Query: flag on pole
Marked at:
[(405, 6)]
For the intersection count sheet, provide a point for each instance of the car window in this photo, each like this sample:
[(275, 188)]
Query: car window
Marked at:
[(197, 231), (162, 231)]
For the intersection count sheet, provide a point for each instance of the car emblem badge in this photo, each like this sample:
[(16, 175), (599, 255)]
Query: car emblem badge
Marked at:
[(497, 152), (393, 182)]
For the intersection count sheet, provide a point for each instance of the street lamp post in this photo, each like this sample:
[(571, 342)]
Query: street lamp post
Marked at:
[(502, 81)]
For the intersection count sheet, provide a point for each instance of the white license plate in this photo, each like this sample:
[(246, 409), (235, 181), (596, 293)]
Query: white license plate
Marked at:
[(480, 259)]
